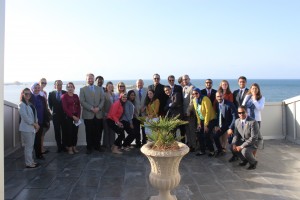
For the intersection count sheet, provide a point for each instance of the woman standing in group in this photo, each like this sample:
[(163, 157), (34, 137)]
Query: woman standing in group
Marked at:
[(109, 135), (40, 105), (28, 127), (71, 106), (227, 95), (121, 89), (254, 102), (113, 121), (127, 120), (43, 93), (152, 104)]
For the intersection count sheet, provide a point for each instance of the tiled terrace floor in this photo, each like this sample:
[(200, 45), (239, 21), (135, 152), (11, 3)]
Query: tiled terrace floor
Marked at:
[(105, 176)]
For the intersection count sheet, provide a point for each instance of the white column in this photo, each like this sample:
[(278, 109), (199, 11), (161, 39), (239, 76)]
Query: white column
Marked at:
[(2, 17)]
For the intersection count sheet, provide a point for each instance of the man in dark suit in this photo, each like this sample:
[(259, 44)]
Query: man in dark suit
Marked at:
[(209, 91), (58, 115), (239, 94), (226, 116), (178, 89), (100, 80), (245, 140), (174, 103), (159, 93)]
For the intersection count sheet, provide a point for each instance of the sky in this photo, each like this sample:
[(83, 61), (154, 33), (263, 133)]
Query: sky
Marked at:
[(131, 39)]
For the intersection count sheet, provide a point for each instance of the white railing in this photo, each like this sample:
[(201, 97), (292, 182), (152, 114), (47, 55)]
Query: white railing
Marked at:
[(292, 119), (279, 121)]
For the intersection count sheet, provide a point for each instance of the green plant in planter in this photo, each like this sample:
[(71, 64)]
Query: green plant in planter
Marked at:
[(161, 132)]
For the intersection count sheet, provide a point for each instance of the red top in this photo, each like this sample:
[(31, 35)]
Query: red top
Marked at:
[(71, 105), (115, 111)]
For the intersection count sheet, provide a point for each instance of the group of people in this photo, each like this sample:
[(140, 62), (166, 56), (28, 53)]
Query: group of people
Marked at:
[(215, 116)]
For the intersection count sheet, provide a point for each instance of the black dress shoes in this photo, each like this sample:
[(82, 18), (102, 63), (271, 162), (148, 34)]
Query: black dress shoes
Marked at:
[(252, 166), (41, 157), (88, 151), (200, 153), (233, 158), (243, 163)]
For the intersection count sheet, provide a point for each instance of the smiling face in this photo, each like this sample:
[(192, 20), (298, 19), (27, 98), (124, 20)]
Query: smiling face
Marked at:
[(254, 90), (242, 83), (124, 98), (90, 79), (242, 113), (219, 97), (224, 85), (150, 94), (37, 89), (156, 79), (168, 91), (70, 88)]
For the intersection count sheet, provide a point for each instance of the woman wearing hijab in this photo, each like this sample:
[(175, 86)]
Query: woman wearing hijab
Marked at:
[(40, 105), (205, 121)]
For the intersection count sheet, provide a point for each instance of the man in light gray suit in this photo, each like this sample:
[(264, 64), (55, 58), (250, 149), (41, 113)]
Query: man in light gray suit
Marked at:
[(245, 140), (188, 113), (139, 103), (92, 101)]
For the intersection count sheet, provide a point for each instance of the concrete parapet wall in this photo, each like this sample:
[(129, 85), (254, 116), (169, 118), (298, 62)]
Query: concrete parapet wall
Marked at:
[(279, 120)]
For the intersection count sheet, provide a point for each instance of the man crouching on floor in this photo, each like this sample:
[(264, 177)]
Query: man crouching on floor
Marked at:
[(245, 140)]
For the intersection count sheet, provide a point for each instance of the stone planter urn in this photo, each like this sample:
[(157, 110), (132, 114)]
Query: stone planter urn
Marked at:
[(164, 173)]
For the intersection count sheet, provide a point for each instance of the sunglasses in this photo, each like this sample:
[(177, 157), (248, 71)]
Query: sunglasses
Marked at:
[(121, 85), (44, 83), (195, 93), (241, 113), (171, 80), (208, 82), (156, 78)]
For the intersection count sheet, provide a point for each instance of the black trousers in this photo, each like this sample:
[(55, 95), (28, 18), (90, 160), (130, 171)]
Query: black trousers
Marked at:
[(59, 123), (93, 132), (38, 142), (205, 139), (119, 131), (131, 134), (217, 136), (137, 130), (71, 133)]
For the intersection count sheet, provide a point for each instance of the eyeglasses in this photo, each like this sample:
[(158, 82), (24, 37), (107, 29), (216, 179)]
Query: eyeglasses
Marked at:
[(156, 78), (241, 113), (44, 83), (171, 80), (27, 94), (195, 93)]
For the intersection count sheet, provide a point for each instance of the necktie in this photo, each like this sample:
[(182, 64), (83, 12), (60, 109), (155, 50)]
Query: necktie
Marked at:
[(243, 124), (220, 115), (241, 94), (208, 94), (140, 94), (58, 96)]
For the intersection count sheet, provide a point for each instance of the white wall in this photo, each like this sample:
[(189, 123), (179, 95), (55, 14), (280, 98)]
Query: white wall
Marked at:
[(2, 16)]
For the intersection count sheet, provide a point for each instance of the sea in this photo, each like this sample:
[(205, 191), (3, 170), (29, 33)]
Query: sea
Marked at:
[(274, 90)]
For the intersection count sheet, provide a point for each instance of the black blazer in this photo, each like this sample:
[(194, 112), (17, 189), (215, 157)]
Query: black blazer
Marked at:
[(212, 95), (178, 89), (161, 95), (236, 97), (176, 108), (55, 105), (230, 115)]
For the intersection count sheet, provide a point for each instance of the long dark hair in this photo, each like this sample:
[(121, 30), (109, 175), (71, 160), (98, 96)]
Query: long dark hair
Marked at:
[(148, 100), (128, 95), (22, 99)]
